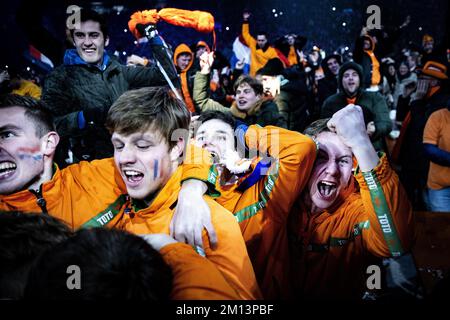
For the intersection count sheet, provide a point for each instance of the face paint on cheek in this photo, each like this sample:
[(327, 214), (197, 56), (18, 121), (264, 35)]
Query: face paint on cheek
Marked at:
[(30, 153), (35, 157), (155, 169)]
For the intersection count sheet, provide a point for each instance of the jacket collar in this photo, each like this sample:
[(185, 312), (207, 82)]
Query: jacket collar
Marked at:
[(71, 58), (23, 199), (165, 198)]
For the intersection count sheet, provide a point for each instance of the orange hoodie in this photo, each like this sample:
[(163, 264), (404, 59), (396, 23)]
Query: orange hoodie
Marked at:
[(262, 209), (183, 48), (376, 76), (230, 256), (331, 250)]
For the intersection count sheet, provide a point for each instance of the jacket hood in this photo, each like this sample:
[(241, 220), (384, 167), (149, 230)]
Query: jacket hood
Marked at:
[(324, 64), (71, 57), (372, 44), (202, 43), (346, 66), (183, 48)]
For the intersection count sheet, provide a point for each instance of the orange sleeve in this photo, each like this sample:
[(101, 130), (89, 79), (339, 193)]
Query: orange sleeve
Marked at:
[(197, 164), (397, 205), (195, 277), (294, 155), (432, 129), (231, 256), (251, 42)]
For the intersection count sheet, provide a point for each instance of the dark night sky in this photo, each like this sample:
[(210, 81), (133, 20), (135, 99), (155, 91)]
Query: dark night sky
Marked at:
[(314, 19)]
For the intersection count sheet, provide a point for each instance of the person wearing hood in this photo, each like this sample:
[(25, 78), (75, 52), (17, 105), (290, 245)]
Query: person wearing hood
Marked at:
[(183, 58), (198, 49), (250, 105), (80, 92), (289, 95), (365, 56), (372, 103), (328, 85)]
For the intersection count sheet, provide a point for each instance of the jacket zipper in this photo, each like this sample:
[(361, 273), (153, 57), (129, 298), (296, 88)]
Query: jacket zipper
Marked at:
[(40, 200)]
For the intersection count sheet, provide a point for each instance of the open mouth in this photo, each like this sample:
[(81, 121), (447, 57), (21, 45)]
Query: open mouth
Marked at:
[(215, 156), (89, 51), (7, 169), (133, 177), (327, 189), (242, 102)]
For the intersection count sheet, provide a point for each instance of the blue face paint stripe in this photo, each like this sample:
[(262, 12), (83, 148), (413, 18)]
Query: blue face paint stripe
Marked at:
[(155, 169), (38, 157)]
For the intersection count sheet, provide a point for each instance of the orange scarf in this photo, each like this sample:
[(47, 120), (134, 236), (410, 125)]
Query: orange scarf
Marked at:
[(351, 100), (376, 77)]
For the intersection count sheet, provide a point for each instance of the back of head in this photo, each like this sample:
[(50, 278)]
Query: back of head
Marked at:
[(23, 237), (149, 108), (273, 67), (34, 110), (111, 264)]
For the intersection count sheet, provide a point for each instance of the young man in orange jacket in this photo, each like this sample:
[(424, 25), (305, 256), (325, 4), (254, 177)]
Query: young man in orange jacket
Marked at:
[(94, 194), (259, 191), (149, 130), (336, 230)]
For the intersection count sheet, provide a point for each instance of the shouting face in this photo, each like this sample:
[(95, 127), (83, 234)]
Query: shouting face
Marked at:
[(350, 82), (217, 137), (144, 161), (331, 173)]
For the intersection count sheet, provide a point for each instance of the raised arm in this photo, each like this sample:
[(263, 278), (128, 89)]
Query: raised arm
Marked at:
[(201, 86), (385, 204)]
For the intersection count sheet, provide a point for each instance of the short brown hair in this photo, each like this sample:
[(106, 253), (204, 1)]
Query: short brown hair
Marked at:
[(317, 127), (35, 111), (252, 82), (148, 108)]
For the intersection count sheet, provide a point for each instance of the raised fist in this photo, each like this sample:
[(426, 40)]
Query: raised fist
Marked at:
[(348, 124)]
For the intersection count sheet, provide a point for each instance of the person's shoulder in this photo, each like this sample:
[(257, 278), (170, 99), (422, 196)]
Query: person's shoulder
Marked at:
[(219, 214), (333, 100), (59, 71), (269, 105)]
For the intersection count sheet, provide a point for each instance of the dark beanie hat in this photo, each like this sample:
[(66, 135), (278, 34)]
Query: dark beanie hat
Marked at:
[(273, 67), (346, 66)]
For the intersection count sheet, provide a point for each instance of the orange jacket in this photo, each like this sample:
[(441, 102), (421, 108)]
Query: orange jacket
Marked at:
[(262, 210), (292, 56), (230, 256), (258, 57), (183, 48), (85, 190), (92, 194), (331, 250), (189, 271)]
